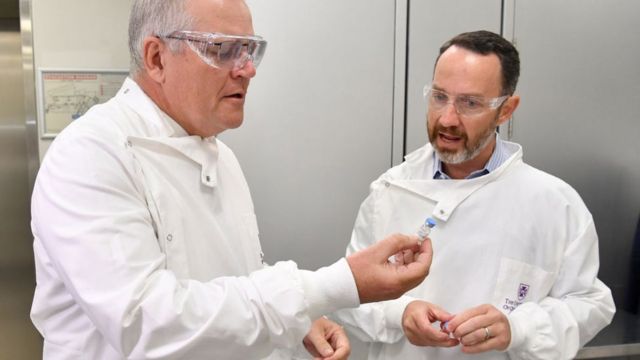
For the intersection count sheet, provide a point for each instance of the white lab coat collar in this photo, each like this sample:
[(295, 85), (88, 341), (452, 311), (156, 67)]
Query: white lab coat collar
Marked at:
[(168, 132), (447, 194)]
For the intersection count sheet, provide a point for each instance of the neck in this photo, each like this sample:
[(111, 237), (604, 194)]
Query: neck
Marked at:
[(463, 169)]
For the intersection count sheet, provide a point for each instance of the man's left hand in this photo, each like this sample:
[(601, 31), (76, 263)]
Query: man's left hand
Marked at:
[(482, 328), (327, 340)]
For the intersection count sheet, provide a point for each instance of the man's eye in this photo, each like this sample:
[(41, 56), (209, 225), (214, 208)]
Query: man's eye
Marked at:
[(440, 98), (212, 50), (229, 50), (470, 103)]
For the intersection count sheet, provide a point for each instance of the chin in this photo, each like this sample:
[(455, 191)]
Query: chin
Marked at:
[(228, 121)]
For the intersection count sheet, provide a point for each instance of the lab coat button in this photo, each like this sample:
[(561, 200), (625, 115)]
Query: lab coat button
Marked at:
[(442, 212), (169, 237), (387, 184), (208, 178)]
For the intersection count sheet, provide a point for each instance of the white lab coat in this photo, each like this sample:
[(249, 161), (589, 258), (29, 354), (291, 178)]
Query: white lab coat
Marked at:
[(517, 238), (146, 247)]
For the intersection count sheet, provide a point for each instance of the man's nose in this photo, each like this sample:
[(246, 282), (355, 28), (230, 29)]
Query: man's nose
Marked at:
[(449, 115), (245, 68)]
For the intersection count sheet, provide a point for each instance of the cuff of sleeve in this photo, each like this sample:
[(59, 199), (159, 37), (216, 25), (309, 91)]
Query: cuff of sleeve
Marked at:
[(520, 324), (329, 289), (395, 310)]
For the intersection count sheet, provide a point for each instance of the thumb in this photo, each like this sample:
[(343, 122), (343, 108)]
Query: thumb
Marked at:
[(426, 252)]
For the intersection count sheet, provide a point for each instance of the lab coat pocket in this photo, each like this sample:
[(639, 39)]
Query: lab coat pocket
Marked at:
[(519, 282)]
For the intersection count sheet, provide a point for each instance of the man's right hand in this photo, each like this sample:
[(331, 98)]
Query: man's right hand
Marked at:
[(378, 279), (416, 324)]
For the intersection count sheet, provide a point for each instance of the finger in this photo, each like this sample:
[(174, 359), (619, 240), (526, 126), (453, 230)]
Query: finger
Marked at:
[(436, 313), (425, 256), (317, 344), (474, 337), (483, 346), (395, 244), (472, 325), (417, 270), (407, 256), (433, 336), (341, 346), (311, 349), (465, 316)]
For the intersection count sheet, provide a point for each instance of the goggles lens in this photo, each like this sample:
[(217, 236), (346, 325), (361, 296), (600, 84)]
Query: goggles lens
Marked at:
[(465, 105), (223, 51)]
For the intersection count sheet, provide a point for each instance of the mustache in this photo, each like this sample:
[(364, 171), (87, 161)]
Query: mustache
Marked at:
[(451, 130)]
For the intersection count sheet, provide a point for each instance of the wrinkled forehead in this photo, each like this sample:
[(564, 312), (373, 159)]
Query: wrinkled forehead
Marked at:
[(462, 71), (224, 16)]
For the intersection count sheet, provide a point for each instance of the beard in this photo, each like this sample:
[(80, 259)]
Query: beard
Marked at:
[(470, 150)]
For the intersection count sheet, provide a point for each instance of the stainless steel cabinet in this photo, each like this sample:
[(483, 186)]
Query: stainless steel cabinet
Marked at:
[(580, 88)]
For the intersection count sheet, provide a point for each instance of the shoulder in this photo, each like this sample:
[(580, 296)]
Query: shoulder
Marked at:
[(539, 182), (91, 147), (547, 197), (104, 123)]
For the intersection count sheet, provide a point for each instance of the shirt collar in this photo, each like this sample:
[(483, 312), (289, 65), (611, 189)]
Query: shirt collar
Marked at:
[(132, 94), (499, 155)]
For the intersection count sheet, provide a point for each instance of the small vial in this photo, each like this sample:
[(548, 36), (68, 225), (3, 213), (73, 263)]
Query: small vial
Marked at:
[(425, 228)]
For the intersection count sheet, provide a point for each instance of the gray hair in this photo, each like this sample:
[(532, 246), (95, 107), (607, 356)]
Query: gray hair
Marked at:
[(154, 18)]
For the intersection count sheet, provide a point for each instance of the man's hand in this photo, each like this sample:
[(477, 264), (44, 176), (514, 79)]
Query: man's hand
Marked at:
[(378, 279), (481, 329), (416, 323), (327, 340)]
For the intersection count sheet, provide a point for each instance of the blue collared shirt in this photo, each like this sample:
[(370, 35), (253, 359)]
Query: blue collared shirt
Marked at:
[(500, 154)]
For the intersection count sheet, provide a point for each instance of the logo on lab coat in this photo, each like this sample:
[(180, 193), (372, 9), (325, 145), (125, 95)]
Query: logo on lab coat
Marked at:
[(523, 289)]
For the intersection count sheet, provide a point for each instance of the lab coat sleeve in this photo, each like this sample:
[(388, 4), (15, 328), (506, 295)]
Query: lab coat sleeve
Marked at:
[(92, 224), (380, 321), (578, 306)]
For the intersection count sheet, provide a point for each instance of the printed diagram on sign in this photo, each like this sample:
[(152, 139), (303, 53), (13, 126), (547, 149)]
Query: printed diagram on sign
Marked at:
[(69, 99), (66, 95)]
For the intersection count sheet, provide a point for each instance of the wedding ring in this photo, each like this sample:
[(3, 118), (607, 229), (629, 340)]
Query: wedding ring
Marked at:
[(487, 334)]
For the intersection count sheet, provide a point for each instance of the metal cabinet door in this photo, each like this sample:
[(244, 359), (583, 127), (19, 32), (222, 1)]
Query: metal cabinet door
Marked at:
[(578, 119)]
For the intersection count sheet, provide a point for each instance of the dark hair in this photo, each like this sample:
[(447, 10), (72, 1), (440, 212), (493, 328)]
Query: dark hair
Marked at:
[(485, 42)]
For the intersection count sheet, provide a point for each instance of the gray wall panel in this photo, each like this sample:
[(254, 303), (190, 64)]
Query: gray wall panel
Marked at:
[(318, 123)]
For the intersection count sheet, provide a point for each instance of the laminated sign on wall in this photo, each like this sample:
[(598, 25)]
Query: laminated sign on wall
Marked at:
[(65, 95)]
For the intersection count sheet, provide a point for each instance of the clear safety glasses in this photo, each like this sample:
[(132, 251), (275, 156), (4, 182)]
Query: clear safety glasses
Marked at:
[(465, 105), (223, 51)]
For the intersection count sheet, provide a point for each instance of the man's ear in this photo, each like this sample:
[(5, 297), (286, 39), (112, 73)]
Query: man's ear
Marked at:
[(507, 109), (153, 52)]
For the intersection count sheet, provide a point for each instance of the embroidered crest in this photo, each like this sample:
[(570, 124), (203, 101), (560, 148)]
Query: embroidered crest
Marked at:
[(523, 290)]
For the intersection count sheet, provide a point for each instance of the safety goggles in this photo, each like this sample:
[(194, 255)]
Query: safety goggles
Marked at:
[(223, 51), (465, 105)]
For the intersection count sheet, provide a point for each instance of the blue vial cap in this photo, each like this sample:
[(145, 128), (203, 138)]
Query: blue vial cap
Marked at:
[(430, 222)]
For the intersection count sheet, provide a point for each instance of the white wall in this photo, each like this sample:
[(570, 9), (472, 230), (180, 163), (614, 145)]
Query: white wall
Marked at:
[(79, 35)]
